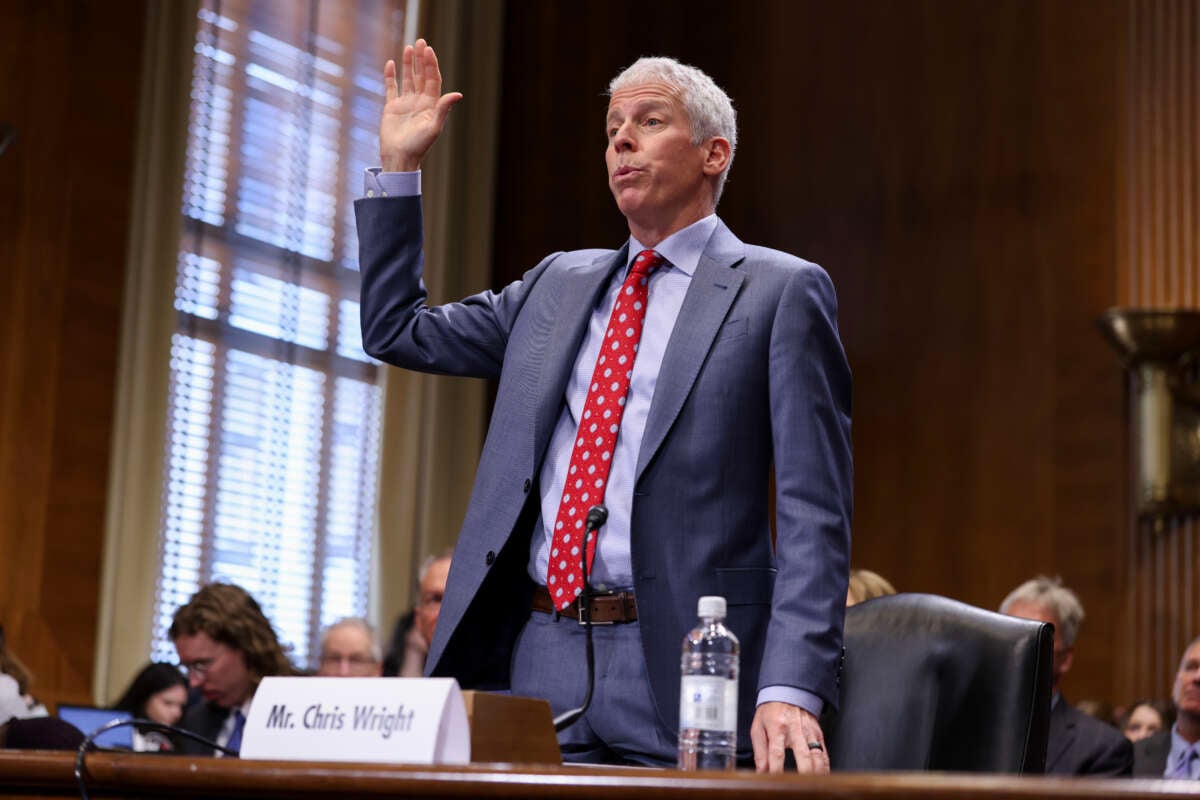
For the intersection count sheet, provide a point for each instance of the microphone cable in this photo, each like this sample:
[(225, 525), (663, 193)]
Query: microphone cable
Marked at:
[(145, 724), (596, 517)]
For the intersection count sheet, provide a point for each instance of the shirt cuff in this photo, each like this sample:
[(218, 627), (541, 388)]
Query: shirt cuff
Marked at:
[(377, 183), (792, 696)]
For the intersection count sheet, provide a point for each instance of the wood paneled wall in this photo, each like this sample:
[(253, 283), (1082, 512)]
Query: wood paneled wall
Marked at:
[(69, 83), (1159, 262), (1160, 155), (953, 165)]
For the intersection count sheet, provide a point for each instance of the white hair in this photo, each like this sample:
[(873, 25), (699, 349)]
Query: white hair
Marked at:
[(432, 559), (1051, 595), (362, 625), (708, 107)]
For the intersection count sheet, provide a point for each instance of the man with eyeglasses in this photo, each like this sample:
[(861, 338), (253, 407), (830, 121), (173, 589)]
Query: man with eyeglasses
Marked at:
[(413, 632), (349, 650), (226, 645)]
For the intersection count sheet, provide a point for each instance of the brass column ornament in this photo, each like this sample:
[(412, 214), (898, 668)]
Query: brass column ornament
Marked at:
[(1161, 349)]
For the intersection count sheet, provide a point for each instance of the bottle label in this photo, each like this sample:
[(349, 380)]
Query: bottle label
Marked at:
[(708, 703)]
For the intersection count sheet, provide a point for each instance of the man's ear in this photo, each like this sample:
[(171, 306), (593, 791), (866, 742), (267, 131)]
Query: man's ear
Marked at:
[(717, 153), (1068, 658)]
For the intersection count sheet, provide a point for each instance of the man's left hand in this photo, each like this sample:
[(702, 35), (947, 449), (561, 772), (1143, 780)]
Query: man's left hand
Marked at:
[(778, 726)]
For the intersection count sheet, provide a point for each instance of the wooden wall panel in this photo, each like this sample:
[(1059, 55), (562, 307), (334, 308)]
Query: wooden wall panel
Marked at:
[(1159, 263), (70, 83), (953, 165)]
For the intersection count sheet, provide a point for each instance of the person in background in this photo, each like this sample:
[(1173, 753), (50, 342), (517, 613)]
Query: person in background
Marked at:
[(867, 585), (1146, 718), (1078, 744), (433, 587), (226, 645), (1174, 752), (349, 649), (414, 631), (158, 693), (12, 704), (11, 666)]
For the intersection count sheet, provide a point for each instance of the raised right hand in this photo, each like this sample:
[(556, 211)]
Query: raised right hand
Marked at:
[(415, 111)]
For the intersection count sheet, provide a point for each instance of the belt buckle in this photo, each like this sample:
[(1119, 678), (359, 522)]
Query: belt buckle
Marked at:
[(579, 610)]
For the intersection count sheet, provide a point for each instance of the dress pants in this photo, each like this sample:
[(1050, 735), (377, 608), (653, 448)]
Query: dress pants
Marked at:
[(620, 726)]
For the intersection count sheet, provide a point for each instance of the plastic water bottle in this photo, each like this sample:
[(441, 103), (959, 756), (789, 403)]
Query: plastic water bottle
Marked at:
[(708, 692)]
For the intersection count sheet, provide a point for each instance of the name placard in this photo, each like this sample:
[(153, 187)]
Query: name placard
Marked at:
[(392, 720)]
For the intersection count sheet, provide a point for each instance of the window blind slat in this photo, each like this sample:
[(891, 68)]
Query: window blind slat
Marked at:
[(274, 410)]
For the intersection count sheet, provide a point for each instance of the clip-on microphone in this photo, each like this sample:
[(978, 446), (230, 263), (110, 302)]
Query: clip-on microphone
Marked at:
[(596, 517)]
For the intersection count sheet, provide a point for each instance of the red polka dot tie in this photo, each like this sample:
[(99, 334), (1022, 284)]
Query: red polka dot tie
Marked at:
[(591, 457)]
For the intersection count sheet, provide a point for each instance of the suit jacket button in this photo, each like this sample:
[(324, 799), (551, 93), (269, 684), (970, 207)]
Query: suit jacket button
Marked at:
[(528, 484), (490, 557)]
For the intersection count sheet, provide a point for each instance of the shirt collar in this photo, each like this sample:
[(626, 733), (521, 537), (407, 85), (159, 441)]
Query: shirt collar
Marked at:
[(682, 248), (1179, 746), (244, 707)]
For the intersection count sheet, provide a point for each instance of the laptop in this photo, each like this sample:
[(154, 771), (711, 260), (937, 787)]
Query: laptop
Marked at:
[(90, 718)]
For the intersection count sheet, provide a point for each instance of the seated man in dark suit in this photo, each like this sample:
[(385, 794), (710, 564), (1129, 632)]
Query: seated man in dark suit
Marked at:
[(1175, 752), (226, 645), (1079, 744)]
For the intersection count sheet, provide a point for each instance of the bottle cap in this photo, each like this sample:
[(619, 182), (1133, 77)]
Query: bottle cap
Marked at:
[(712, 606)]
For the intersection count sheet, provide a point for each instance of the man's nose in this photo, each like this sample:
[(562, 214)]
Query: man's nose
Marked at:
[(344, 667), (622, 139), (195, 679)]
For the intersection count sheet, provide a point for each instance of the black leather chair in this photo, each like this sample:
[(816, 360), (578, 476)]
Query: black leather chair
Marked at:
[(930, 683)]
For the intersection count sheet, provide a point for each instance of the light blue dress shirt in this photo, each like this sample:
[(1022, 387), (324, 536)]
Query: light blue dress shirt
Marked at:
[(612, 566), (1180, 748)]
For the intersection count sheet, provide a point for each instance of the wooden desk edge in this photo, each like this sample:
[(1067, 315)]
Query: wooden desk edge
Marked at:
[(51, 774)]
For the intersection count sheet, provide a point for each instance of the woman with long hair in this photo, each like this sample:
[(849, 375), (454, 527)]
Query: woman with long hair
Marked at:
[(158, 693)]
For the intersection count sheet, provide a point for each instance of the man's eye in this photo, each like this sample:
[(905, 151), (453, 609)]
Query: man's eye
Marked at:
[(652, 122)]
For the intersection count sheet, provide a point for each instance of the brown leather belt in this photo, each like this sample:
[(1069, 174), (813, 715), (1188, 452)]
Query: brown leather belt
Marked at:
[(608, 608)]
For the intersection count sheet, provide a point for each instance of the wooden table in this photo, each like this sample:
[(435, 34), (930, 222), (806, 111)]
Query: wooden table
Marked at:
[(40, 774)]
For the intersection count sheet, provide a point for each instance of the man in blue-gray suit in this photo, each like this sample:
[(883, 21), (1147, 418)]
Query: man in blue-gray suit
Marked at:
[(733, 368)]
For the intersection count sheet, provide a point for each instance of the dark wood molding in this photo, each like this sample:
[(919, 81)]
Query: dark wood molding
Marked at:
[(47, 774)]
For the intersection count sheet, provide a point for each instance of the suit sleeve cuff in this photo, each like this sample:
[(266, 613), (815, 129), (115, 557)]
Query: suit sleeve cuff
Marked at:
[(792, 696), (377, 183)]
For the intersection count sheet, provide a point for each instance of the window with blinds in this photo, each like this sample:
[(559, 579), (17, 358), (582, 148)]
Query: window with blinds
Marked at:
[(274, 415)]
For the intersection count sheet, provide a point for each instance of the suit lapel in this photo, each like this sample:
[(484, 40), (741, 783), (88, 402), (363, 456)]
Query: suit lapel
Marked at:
[(574, 307), (210, 721), (1062, 733), (709, 297)]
